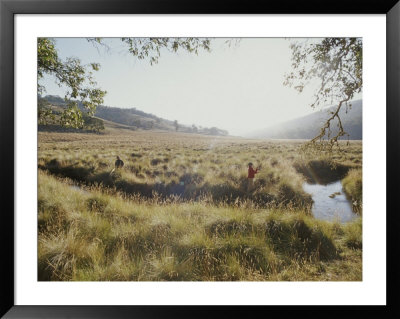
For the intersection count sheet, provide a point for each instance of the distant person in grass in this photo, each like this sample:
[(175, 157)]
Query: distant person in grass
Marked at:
[(251, 173), (118, 164)]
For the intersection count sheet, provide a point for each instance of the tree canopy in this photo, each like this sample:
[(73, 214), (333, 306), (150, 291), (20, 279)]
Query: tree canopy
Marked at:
[(336, 63), (79, 79)]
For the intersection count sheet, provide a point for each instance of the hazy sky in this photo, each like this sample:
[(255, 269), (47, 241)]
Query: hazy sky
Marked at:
[(237, 88)]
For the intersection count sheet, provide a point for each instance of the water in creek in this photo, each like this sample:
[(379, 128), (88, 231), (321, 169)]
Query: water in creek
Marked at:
[(77, 188), (330, 202)]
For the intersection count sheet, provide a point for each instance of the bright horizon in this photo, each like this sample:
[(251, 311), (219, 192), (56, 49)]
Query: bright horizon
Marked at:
[(238, 88)]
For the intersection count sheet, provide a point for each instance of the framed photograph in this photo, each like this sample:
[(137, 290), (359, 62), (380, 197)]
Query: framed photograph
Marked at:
[(167, 159)]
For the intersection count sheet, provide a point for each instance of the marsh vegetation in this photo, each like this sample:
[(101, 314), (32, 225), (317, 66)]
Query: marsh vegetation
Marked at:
[(179, 209)]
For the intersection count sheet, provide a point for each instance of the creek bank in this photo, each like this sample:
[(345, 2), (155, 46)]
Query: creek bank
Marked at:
[(330, 202)]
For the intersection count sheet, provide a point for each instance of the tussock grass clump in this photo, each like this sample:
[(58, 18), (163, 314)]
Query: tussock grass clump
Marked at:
[(97, 204), (352, 185), (353, 235), (61, 256), (156, 161), (51, 217), (296, 239), (222, 228)]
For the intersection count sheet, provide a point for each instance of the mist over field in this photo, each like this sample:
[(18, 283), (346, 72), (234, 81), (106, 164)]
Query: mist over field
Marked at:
[(306, 127)]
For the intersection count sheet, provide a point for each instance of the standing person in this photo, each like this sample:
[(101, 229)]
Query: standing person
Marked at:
[(250, 177), (118, 164)]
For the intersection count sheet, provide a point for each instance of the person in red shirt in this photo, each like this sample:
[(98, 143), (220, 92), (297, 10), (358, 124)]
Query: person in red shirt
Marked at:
[(251, 173)]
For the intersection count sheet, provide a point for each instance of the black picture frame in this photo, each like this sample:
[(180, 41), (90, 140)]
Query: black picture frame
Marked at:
[(9, 8)]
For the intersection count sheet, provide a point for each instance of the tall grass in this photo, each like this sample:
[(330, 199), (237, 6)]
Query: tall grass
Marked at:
[(180, 210), (90, 235), (191, 167), (352, 185)]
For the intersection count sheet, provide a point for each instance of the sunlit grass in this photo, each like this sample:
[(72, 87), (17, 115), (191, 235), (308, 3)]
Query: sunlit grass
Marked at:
[(352, 185), (179, 209), (128, 239)]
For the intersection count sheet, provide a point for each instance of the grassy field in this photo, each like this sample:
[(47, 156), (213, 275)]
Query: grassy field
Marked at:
[(179, 209)]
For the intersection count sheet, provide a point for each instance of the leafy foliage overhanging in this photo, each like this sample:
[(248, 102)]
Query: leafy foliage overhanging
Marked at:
[(79, 80), (337, 64)]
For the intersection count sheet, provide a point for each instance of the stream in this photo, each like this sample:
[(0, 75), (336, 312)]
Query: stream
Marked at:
[(330, 202)]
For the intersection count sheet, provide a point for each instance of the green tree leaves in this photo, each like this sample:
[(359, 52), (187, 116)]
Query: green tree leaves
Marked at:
[(150, 48), (79, 80), (337, 64), (72, 116), (45, 113)]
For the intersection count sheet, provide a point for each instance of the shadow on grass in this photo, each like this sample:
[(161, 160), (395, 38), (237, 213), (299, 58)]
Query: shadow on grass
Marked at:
[(296, 239), (189, 187), (322, 171)]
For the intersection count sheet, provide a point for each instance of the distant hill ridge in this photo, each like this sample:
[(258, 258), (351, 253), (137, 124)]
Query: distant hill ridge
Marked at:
[(138, 119), (307, 127)]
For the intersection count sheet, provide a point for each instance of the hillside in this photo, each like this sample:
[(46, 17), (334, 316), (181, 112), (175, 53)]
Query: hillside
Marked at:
[(136, 119), (308, 126)]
